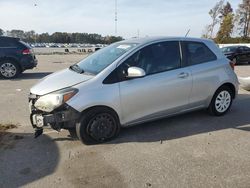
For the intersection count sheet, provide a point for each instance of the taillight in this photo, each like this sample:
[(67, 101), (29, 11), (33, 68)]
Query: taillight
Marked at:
[(232, 64), (27, 52)]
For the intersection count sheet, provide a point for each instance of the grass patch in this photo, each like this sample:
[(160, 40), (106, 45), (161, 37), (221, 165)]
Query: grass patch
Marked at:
[(5, 127), (3, 132)]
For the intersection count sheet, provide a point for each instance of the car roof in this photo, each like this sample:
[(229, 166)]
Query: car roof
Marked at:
[(155, 39), (11, 38)]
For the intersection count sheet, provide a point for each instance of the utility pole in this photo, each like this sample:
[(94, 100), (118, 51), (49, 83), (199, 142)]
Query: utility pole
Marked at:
[(116, 18)]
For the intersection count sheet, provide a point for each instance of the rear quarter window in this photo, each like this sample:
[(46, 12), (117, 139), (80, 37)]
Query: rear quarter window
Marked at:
[(196, 53)]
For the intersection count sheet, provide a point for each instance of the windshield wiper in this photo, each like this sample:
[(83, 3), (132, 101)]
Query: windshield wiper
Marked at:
[(76, 68)]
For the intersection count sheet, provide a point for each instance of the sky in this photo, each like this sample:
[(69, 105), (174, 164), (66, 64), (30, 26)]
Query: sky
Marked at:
[(143, 17)]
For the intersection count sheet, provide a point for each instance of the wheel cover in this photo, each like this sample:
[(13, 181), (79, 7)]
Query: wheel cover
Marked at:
[(8, 70), (102, 127), (223, 101)]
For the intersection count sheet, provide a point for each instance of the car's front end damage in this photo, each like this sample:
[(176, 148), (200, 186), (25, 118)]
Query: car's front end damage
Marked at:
[(51, 110)]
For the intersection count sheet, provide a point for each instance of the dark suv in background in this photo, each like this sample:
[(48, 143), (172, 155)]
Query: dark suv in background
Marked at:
[(15, 57), (237, 54)]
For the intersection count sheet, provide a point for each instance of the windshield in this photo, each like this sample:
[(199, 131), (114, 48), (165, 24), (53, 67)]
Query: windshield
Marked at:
[(101, 59), (229, 49)]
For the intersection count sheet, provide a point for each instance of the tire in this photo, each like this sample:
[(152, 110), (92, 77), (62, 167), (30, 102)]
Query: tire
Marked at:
[(72, 133), (9, 69), (98, 125), (221, 102)]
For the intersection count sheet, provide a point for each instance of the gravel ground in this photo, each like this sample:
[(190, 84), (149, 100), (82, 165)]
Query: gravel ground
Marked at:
[(191, 150)]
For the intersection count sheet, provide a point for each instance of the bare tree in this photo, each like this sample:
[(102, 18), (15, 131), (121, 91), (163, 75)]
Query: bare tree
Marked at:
[(214, 13), (243, 18), (206, 33)]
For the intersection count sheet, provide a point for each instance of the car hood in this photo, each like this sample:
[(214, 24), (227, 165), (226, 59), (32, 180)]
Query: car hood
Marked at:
[(59, 80)]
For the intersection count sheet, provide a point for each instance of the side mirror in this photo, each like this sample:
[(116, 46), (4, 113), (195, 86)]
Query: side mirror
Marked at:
[(135, 72)]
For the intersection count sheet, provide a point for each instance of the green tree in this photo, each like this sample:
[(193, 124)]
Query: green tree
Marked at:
[(44, 37), (30, 36), (112, 39), (16, 33), (1, 32), (62, 37), (226, 25)]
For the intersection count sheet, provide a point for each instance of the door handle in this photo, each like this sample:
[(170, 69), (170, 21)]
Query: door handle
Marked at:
[(183, 75)]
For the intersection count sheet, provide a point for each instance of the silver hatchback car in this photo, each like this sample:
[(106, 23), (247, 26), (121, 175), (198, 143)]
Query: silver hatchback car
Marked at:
[(131, 82)]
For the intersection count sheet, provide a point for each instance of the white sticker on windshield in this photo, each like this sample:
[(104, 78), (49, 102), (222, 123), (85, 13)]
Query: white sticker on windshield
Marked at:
[(124, 46)]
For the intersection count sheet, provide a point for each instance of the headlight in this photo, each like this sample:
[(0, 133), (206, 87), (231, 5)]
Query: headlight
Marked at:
[(52, 101)]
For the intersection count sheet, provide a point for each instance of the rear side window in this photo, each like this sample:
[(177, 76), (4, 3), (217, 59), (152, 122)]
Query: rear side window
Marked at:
[(8, 43), (244, 49), (196, 53)]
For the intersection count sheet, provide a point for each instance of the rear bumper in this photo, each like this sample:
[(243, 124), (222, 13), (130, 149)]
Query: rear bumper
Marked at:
[(28, 63)]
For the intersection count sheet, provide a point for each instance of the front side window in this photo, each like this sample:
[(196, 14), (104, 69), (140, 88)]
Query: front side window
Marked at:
[(101, 59), (156, 58), (229, 49), (197, 53)]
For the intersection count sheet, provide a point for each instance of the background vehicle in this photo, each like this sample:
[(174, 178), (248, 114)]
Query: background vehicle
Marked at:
[(132, 82), (15, 57), (237, 54)]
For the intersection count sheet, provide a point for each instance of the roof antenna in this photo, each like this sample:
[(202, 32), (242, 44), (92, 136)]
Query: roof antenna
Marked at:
[(187, 33)]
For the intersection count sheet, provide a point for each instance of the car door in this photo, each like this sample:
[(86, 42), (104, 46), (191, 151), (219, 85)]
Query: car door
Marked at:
[(205, 71), (246, 52), (164, 90), (240, 55)]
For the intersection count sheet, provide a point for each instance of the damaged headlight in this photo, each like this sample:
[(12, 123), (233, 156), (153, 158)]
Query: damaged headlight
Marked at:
[(49, 102)]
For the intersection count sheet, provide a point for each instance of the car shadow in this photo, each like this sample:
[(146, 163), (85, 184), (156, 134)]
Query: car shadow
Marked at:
[(193, 123), (23, 160)]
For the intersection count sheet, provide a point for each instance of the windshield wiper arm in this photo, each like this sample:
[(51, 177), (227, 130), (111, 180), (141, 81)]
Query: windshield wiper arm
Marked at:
[(76, 68)]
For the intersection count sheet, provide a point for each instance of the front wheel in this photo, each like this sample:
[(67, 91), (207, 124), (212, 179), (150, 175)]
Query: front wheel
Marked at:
[(98, 125), (221, 102)]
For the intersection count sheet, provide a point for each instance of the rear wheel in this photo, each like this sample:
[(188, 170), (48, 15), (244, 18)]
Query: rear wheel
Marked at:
[(98, 125), (221, 102), (9, 69)]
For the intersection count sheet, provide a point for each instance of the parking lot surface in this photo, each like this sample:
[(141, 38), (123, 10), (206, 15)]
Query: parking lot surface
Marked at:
[(190, 150)]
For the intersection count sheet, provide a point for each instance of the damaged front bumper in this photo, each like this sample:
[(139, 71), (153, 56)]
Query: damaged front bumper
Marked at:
[(65, 117)]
